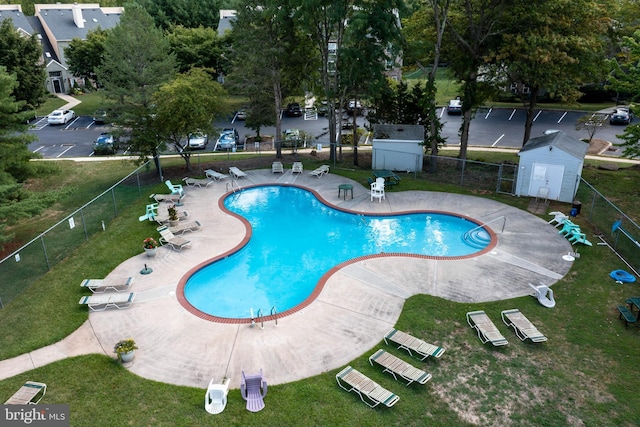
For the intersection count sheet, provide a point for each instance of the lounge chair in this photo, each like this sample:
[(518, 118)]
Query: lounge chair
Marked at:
[(398, 367), (276, 167), (412, 344), (487, 331), (568, 227), (169, 198), (318, 172), (196, 182), (216, 398), (163, 218), (175, 188), (103, 301), (544, 295), (214, 175), (523, 328), (253, 389), (237, 173), (99, 286), (183, 227), (30, 393), (168, 238), (297, 167), (374, 393)]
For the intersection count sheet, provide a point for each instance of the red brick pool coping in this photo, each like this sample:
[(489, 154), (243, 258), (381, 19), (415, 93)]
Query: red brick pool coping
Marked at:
[(323, 280)]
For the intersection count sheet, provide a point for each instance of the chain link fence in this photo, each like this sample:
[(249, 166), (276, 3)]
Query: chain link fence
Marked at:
[(24, 266)]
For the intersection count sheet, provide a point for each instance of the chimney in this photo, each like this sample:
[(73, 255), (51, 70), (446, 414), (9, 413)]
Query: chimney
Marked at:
[(77, 16)]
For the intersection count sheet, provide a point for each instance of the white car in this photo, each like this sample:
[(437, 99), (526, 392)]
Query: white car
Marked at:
[(60, 117), (197, 140)]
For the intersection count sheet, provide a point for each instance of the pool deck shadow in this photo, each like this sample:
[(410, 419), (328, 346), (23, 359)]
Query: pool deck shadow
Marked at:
[(359, 303)]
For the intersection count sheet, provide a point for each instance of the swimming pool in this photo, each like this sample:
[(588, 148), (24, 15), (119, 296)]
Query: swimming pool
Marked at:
[(296, 239)]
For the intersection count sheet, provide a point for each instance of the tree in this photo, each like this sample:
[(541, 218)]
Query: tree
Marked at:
[(197, 48), (552, 46), (187, 104), (592, 123), (269, 60), (136, 62), (84, 57), (188, 13), (22, 56)]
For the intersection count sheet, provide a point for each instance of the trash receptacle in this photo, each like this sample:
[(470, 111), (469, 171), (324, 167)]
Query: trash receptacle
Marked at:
[(577, 205)]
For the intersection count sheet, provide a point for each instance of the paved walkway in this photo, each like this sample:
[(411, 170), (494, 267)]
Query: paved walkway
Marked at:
[(357, 306)]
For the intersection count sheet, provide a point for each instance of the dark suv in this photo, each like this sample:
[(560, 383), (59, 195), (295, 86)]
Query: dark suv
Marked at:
[(293, 110)]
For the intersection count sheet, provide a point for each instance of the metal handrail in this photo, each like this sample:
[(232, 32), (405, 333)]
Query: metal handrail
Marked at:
[(274, 312), (504, 223), (230, 185)]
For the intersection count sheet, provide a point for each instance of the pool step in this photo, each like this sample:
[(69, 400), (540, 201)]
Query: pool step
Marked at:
[(478, 238)]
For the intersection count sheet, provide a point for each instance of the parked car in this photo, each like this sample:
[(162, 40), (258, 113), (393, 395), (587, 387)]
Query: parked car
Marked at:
[(228, 140), (323, 108), (197, 140), (105, 144), (241, 115), (100, 116), (60, 117), (454, 107), (291, 138), (293, 110), (621, 116), (354, 107)]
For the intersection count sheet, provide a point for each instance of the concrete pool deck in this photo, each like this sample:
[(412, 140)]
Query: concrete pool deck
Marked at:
[(357, 306)]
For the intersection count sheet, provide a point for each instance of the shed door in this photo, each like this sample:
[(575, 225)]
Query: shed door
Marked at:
[(545, 175)]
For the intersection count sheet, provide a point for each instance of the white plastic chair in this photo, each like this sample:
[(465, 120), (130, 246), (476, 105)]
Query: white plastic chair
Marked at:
[(377, 191), (216, 398)]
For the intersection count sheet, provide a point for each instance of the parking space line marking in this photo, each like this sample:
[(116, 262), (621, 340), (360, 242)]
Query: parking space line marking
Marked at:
[(442, 112), (72, 122), (513, 113), (497, 140), (539, 112), (61, 154), (562, 117), (38, 149), (488, 112)]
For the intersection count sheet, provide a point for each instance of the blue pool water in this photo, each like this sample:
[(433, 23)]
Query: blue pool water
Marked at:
[(296, 239)]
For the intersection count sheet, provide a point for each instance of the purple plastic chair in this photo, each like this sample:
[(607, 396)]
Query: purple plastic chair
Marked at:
[(253, 390)]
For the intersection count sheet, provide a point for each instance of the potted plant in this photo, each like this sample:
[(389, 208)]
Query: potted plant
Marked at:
[(173, 215), (124, 350), (150, 246)]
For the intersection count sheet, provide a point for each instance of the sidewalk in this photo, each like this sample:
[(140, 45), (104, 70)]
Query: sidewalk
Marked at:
[(71, 101)]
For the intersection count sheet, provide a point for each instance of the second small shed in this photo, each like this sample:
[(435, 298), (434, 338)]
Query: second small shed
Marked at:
[(398, 147), (551, 165)]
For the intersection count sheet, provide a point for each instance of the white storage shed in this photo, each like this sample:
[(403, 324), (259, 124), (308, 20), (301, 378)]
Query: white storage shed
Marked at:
[(551, 167), (398, 147)]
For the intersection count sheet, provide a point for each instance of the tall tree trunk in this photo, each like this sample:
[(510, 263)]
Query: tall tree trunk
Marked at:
[(528, 124)]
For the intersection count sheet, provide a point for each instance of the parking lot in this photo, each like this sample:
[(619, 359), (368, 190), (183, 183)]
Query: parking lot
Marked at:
[(498, 127)]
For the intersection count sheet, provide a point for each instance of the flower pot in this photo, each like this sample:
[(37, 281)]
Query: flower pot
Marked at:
[(126, 357), (173, 222), (150, 252)]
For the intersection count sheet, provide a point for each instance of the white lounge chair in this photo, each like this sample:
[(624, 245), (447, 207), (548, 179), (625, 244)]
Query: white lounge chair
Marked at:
[(170, 198), (558, 218), (276, 167), (413, 345), (214, 175), (196, 182), (99, 286), (183, 227), (523, 328), (30, 393), (297, 167), (318, 172), (168, 238), (487, 331), (237, 173), (216, 398), (164, 218), (365, 388), (398, 367), (544, 295), (103, 301)]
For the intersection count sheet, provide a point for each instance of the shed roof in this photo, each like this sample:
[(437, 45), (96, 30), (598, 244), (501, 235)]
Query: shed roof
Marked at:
[(399, 132), (560, 140)]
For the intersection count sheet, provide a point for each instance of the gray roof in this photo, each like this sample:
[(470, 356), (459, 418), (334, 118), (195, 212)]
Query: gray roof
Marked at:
[(19, 20), (399, 132), (47, 49), (225, 24), (560, 140), (60, 22)]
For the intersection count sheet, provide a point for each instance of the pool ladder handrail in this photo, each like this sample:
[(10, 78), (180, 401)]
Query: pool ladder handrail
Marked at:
[(260, 316), (230, 186), (504, 223)]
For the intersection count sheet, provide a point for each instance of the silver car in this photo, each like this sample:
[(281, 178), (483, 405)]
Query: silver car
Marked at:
[(60, 117), (197, 140)]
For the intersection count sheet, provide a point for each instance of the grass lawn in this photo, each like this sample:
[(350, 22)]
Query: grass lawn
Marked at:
[(586, 374)]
